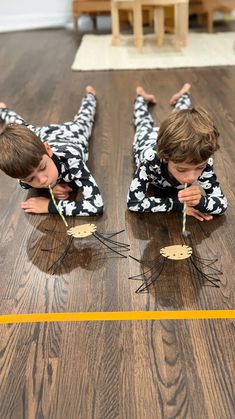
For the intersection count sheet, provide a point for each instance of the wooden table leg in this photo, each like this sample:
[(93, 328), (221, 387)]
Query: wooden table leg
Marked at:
[(159, 26), (184, 19), (75, 22), (181, 24), (115, 24), (138, 25), (210, 20), (177, 22)]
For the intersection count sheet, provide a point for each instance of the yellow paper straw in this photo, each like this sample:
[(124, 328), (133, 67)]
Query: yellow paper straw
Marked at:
[(184, 214), (54, 202)]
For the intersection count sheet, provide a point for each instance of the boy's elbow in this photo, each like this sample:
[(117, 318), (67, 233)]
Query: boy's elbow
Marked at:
[(224, 205), (224, 208), (133, 206), (97, 205), (221, 208), (99, 210)]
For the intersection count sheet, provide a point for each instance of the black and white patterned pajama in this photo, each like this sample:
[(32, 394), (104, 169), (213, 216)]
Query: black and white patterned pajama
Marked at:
[(69, 143), (151, 170)]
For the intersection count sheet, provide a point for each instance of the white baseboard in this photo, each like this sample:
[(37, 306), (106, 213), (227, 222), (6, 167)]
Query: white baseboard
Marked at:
[(24, 22)]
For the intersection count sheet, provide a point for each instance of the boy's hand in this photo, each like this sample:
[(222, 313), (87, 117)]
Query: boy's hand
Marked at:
[(191, 195), (38, 205), (62, 191), (201, 216)]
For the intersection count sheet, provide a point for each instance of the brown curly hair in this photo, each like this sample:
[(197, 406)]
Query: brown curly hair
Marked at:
[(20, 150), (187, 135)]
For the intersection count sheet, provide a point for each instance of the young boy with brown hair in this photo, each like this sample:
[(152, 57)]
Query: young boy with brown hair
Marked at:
[(53, 155), (176, 155)]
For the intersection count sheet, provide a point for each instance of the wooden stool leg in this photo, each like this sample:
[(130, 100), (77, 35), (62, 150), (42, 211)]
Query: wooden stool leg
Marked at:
[(115, 24), (177, 19), (184, 17), (130, 18), (94, 20), (210, 21), (158, 18), (138, 26), (75, 23), (150, 17)]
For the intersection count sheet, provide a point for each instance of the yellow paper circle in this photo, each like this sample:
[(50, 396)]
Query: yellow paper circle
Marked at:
[(176, 252), (83, 230)]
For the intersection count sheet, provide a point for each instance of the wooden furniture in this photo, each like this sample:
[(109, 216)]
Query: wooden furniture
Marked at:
[(117, 6), (180, 19), (208, 7), (93, 7)]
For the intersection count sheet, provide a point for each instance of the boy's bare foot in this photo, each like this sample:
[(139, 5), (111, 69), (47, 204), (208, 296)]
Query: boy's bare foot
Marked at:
[(2, 105), (185, 89), (148, 97), (90, 89)]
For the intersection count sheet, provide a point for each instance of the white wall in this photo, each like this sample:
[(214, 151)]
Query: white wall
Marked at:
[(30, 14)]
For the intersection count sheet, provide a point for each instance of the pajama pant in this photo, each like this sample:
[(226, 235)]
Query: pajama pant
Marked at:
[(76, 132), (63, 136), (146, 133)]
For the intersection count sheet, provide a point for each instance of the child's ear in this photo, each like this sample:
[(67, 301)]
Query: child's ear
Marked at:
[(48, 149)]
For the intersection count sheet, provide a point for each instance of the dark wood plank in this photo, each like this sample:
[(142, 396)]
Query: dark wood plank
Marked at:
[(111, 370)]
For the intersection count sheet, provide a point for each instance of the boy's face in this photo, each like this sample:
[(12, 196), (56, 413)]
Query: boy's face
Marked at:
[(45, 174), (185, 172)]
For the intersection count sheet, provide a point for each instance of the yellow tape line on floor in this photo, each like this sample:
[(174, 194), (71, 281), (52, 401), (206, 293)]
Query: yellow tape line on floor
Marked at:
[(116, 315)]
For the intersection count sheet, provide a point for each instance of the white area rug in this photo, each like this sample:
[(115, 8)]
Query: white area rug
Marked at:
[(203, 49)]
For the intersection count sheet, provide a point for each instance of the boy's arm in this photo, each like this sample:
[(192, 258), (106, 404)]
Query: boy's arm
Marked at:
[(137, 199), (214, 201), (91, 204)]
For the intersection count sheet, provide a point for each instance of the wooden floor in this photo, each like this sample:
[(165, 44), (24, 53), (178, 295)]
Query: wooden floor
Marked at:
[(106, 370)]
